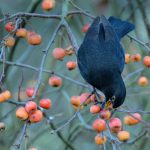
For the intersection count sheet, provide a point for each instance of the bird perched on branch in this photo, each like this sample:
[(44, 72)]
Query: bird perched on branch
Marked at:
[(101, 57)]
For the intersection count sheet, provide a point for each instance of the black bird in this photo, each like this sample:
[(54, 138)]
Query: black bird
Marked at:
[(101, 57)]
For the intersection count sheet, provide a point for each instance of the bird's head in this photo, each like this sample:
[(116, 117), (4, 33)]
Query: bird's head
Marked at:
[(117, 97)]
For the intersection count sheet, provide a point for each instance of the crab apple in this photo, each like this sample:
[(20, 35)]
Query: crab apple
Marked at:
[(99, 125), (136, 57), (123, 135), (105, 114), (127, 58), (30, 91), (95, 109), (10, 41), (55, 81), (45, 103), (143, 81), (22, 32), (131, 120), (31, 106), (115, 125), (36, 116), (48, 4), (2, 98), (21, 113), (99, 140), (58, 53), (33, 38), (7, 94), (75, 101), (85, 28), (2, 126), (146, 61), (85, 98), (9, 26), (71, 65)]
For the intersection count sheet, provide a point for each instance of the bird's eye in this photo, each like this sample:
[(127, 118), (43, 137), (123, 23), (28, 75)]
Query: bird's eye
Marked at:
[(113, 98)]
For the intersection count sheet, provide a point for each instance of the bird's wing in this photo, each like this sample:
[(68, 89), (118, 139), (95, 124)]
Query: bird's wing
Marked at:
[(112, 37), (121, 27), (86, 49), (121, 57)]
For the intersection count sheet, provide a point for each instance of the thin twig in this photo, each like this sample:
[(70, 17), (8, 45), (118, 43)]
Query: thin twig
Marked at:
[(25, 14), (20, 85), (71, 36), (23, 133), (133, 73), (46, 71), (45, 52), (139, 42)]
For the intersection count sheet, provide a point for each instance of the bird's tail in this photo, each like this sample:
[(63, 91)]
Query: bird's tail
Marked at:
[(121, 27)]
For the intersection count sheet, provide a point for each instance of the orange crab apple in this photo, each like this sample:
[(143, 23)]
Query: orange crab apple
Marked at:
[(95, 109), (55, 81), (146, 61), (123, 135), (33, 38), (132, 120), (136, 57), (143, 81), (58, 53), (22, 32), (48, 4), (75, 100), (36, 116), (21, 113), (71, 65), (45, 103), (30, 91), (99, 125), (10, 41), (31, 106), (105, 114), (99, 140), (127, 58), (115, 125), (9, 26), (85, 98)]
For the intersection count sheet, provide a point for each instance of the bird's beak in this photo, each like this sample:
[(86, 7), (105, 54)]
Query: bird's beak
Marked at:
[(109, 104)]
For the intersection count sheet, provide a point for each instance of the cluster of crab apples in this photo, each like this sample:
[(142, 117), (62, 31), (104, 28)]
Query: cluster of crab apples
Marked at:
[(32, 112), (143, 80), (34, 38), (137, 58), (105, 120), (31, 37)]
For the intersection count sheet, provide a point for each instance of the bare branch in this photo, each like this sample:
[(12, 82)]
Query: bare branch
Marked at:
[(24, 14)]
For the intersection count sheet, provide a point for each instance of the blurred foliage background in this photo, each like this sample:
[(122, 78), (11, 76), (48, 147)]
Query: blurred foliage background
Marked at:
[(39, 136)]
